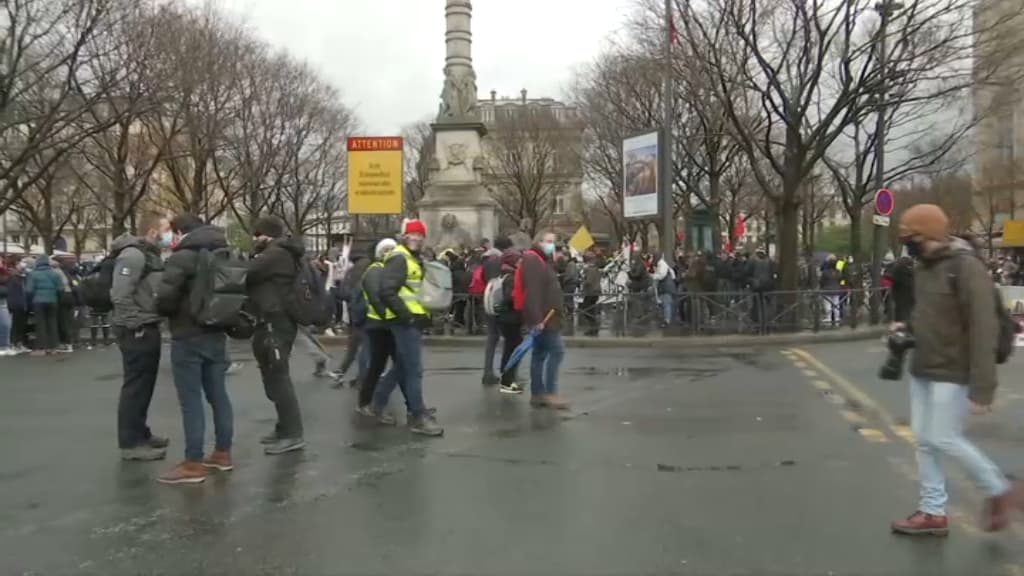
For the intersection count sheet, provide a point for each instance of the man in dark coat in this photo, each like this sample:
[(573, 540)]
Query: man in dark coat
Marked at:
[(270, 280)]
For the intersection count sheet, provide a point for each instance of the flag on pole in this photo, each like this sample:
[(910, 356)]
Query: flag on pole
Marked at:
[(581, 241)]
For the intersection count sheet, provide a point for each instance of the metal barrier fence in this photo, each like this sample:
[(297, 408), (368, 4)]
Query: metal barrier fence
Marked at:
[(640, 314)]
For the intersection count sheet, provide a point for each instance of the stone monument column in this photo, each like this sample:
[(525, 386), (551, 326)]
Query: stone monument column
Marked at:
[(455, 187)]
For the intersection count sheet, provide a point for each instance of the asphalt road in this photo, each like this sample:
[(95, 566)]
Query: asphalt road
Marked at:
[(706, 462)]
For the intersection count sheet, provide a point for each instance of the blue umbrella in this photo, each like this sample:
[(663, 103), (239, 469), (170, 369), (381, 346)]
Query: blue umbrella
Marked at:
[(526, 345)]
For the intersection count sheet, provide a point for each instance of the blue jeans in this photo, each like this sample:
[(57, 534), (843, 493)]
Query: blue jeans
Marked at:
[(545, 360), (5, 326), (408, 368), (937, 414), (668, 305), (199, 364)]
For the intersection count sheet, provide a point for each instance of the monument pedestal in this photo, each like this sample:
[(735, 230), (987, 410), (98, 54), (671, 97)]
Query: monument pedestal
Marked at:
[(455, 187)]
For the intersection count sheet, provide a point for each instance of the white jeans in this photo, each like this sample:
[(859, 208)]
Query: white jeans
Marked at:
[(937, 414)]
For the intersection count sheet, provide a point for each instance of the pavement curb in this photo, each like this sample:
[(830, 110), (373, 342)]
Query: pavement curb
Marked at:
[(669, 343)]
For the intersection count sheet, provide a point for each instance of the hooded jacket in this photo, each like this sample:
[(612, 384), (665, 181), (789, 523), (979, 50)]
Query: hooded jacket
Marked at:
[(172, 294), (44, 283), (954, 321), (137, 272), (271, 276)]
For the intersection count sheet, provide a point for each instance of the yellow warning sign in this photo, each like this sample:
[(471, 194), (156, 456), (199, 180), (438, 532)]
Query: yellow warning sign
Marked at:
[(581, 241)]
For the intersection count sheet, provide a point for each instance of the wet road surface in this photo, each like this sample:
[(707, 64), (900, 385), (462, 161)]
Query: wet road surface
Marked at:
[(671, 463)]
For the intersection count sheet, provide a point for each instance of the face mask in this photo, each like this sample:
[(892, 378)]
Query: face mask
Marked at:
[(166, 238), (914, 249), (549, 248)]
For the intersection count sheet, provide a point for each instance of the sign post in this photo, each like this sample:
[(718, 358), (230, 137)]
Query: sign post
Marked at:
[(375, 175), (885, 204)]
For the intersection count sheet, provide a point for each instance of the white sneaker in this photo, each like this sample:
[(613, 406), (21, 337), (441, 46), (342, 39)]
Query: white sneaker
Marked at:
[(329, 333), (7, 352)]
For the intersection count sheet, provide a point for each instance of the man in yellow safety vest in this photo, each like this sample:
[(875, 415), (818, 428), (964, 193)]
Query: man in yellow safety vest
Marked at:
[(400, 288)]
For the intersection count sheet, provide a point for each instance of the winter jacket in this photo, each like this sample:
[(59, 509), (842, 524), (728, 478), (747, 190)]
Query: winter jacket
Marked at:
[(394, 276), (570, 277), (172, 294), (902, 274), (44, 283), (137, 272), (371, 282), (591, 281), (354, 277), (543, 292), (508, 313), (492, 264), (762, 275), (4, 279), (664, 278), (271, 277), (954, 321), (17, 299)]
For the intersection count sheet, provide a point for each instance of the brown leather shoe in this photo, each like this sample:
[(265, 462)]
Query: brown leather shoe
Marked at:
[(219, 460), (185, 473), (995, 515), (921, 524), (557, 402)]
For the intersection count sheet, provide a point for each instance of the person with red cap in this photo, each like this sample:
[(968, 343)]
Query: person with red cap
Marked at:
[(953, 369), (405, 315)]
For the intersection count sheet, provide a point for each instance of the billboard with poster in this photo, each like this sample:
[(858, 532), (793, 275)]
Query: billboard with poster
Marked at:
[(640, 183)]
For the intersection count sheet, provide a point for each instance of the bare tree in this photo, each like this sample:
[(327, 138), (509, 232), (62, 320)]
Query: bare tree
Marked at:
[(45, 86), (532, 156), (204, 61), (418, 139), (618, 96)]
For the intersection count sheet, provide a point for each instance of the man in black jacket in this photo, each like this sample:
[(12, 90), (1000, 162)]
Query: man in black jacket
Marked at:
[(199, 356), (271, 277)]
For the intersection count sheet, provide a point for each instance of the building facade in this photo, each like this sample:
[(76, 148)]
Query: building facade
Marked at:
[(998, 101), (546, 136)]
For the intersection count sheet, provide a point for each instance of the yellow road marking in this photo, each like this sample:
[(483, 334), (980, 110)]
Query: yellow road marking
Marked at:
[(799, 364), (848, 388), (810, 373), (853, 417), (872, 435), (905, 433), (821, 385)]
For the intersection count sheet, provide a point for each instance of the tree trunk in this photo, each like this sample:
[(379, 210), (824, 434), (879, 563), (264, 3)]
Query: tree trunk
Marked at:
[(715, 196), (787, 241)]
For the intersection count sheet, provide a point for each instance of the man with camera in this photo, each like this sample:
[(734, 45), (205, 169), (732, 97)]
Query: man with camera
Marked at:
[(954, 331)]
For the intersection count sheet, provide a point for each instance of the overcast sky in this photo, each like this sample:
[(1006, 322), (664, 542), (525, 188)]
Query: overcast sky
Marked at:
[(387, 56)]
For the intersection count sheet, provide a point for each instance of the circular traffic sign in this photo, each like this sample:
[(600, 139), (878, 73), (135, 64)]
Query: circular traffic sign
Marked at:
[(885, 202)]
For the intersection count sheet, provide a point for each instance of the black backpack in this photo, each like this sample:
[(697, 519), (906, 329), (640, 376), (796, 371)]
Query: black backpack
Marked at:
[(1006, 327), (308, 303), (94, 288), (218, 294)]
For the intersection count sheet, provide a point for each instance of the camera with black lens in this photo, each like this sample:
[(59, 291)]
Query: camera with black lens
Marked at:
[(899, 343)]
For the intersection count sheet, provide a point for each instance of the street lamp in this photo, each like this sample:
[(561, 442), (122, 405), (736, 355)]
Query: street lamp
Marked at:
[(885, 9)]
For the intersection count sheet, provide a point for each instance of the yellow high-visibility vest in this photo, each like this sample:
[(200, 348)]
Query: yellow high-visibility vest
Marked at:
[(371, 312), (410, 291)]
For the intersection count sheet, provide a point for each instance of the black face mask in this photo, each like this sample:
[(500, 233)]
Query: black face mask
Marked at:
[(914, 249)]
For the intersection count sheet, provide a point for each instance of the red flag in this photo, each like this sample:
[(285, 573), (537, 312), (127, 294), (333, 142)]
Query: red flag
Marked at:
[(741, 229)]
